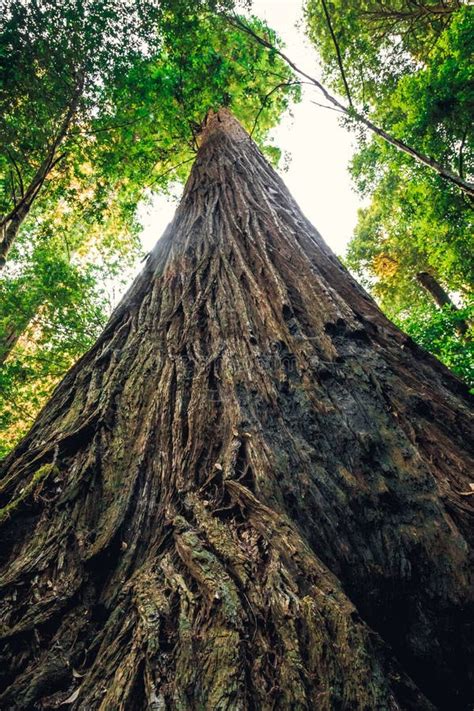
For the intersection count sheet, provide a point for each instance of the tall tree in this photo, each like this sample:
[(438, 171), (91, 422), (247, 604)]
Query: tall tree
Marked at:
[(53, 303), (53, 62), (49, 315), (250, 493), (410, 66)]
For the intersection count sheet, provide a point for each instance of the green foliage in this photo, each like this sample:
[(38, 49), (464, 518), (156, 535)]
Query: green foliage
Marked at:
[(436, 331), (54, 307), (137, 77), (53, 59), (410, 68), (158, 107), (411, 226), (379, 42)]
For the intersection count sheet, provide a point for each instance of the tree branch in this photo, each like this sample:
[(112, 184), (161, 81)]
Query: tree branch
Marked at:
[(352, 113), (17, 171), (461, 157), (170, 170), (265, 99), (324, 106), (11, 223)]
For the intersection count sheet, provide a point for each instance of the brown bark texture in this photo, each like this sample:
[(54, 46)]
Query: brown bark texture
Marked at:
[(250, 493), (8, 340)]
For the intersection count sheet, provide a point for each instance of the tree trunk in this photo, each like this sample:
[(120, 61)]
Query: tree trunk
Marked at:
[(249, 494), (439, 296), (10, 224), (8, 340), (12, 330)]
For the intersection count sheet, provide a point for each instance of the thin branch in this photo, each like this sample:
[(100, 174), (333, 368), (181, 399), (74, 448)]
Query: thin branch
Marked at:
[(49, 162), (12, 181), (10, 223), (17, 170), (461, 156), (104, 129), (325, 106), (420, 11), (338, 51), (170, 170), (265, 99)]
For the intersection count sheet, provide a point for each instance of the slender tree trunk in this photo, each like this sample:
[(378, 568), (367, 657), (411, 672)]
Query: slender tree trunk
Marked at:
[(8, 340), (413, 11), (10, 224), (249, 494), (439, 296), (13, 328)]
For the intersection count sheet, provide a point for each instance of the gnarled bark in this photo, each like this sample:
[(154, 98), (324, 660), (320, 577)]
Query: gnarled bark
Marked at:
[(249, 494)]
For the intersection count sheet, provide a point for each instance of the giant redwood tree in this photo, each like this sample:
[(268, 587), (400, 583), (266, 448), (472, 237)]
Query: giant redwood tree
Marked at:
[(251, 493)]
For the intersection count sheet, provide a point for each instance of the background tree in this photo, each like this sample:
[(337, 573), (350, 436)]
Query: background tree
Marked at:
[(53, 63), (410, 66), (252, 492), (53, 306)]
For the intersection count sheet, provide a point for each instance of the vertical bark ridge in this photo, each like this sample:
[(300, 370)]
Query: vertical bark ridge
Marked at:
[(250, 493)]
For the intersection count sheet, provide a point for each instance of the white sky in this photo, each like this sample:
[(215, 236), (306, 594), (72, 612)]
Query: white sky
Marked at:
[(318, 147)]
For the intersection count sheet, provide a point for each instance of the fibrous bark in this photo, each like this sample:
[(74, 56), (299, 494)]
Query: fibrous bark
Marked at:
[(249, 494)]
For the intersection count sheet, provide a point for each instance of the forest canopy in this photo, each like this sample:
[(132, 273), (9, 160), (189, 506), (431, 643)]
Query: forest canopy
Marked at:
[(100, 105)]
